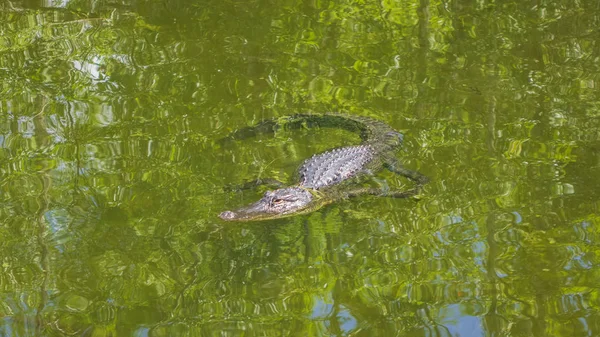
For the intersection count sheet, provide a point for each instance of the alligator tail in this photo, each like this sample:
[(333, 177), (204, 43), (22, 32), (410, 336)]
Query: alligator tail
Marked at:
[(369, 129)]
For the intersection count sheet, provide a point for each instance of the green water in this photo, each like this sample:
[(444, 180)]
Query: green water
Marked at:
[(112, 176)]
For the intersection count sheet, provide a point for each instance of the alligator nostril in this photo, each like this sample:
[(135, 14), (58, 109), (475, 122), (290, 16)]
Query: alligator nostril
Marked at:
[(227, 215)]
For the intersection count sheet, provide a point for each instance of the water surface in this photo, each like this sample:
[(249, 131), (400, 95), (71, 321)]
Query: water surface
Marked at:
[(112, 174)]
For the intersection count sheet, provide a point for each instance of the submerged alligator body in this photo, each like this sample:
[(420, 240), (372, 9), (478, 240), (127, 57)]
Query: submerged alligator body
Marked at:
[(332, 175)]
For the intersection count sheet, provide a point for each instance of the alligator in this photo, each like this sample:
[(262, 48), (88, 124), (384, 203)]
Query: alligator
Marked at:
[(329, 176)]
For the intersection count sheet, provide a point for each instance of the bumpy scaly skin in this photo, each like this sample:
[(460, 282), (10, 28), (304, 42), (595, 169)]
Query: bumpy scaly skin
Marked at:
[(321, 175), (332, 167)]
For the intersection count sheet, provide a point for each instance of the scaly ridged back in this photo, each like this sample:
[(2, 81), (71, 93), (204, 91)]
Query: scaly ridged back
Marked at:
[(332, 167)]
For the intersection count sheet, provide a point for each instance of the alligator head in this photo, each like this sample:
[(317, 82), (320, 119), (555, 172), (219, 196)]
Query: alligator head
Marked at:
[(274, 204)]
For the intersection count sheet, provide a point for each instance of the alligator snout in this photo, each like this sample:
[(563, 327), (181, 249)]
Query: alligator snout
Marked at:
[(274, 204), (227, 215)]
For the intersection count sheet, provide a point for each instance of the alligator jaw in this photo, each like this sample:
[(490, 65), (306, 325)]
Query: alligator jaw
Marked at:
[(274, 204), (257, 211)]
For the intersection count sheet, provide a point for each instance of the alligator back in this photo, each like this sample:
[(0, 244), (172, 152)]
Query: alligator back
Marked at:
[(332, 167)]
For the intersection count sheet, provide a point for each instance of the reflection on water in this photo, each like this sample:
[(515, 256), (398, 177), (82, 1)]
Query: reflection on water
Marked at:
[(112, 175)]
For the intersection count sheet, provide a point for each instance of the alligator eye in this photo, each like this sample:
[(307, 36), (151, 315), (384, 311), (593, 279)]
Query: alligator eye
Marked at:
[(277, 201)]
